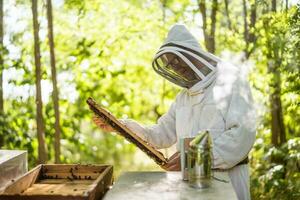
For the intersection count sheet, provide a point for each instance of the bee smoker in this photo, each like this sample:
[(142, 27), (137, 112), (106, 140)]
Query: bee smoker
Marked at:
[(200, 161), (184, 146)]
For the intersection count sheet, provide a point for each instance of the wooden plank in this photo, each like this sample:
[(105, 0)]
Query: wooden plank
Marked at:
[(71, 176), (66, 187), (77, 167), (124, 131), (64, 181), (70, 171), (102, 184), (22, 183)]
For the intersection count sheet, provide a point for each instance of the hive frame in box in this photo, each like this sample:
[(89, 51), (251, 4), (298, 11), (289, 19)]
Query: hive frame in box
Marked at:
[(59, 182), (156, 155)]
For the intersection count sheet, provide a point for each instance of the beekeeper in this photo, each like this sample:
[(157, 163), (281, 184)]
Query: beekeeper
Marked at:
[(215, 97)]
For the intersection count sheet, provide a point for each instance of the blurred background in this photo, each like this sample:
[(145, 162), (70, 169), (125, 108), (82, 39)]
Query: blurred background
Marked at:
[(55, 54)]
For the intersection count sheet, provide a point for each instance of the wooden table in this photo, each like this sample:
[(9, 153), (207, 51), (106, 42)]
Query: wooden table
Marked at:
[(167, 186)]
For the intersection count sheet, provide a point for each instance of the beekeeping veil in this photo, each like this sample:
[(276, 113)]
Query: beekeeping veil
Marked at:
[(182, 61)]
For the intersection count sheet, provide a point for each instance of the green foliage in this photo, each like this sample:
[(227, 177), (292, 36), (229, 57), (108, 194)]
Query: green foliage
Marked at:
[(276, 171), (15, 129), (276, 41), (104, 50), (108, 58)]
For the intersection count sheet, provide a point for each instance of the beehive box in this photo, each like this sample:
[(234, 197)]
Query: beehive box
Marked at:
[(61, 182)]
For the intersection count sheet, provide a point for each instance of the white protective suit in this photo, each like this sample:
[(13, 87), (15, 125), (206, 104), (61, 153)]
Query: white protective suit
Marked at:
[(222, 105)]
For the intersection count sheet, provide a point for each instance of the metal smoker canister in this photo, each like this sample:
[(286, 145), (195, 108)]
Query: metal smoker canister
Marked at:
[(184, 147), (199, 161)]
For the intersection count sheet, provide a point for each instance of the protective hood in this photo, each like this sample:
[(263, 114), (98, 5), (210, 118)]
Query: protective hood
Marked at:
[(182, 61)]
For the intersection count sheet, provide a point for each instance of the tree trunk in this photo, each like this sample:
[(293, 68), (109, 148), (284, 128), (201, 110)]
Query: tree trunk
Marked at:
[(246, 31), (274, 5), (227, 14), (277, 121), (209, 35), (212, 41), (42, 156), (55, 94), (249, 36), (1, 59), (277, 125), (202, 8), (1, 69)]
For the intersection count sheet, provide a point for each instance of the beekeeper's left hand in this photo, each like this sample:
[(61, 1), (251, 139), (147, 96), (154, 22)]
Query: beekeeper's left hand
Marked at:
[(173, 163)]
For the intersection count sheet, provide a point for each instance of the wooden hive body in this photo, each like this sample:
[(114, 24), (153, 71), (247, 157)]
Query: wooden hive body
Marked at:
[(61, 182)]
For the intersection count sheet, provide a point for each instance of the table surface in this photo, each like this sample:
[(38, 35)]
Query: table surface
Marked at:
[(167, 185)]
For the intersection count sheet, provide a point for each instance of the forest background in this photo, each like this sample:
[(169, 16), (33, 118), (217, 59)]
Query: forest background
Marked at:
[(55, 54)]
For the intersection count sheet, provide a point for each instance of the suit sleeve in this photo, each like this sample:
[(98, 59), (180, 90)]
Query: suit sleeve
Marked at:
[(162, 134), (233, 145)]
